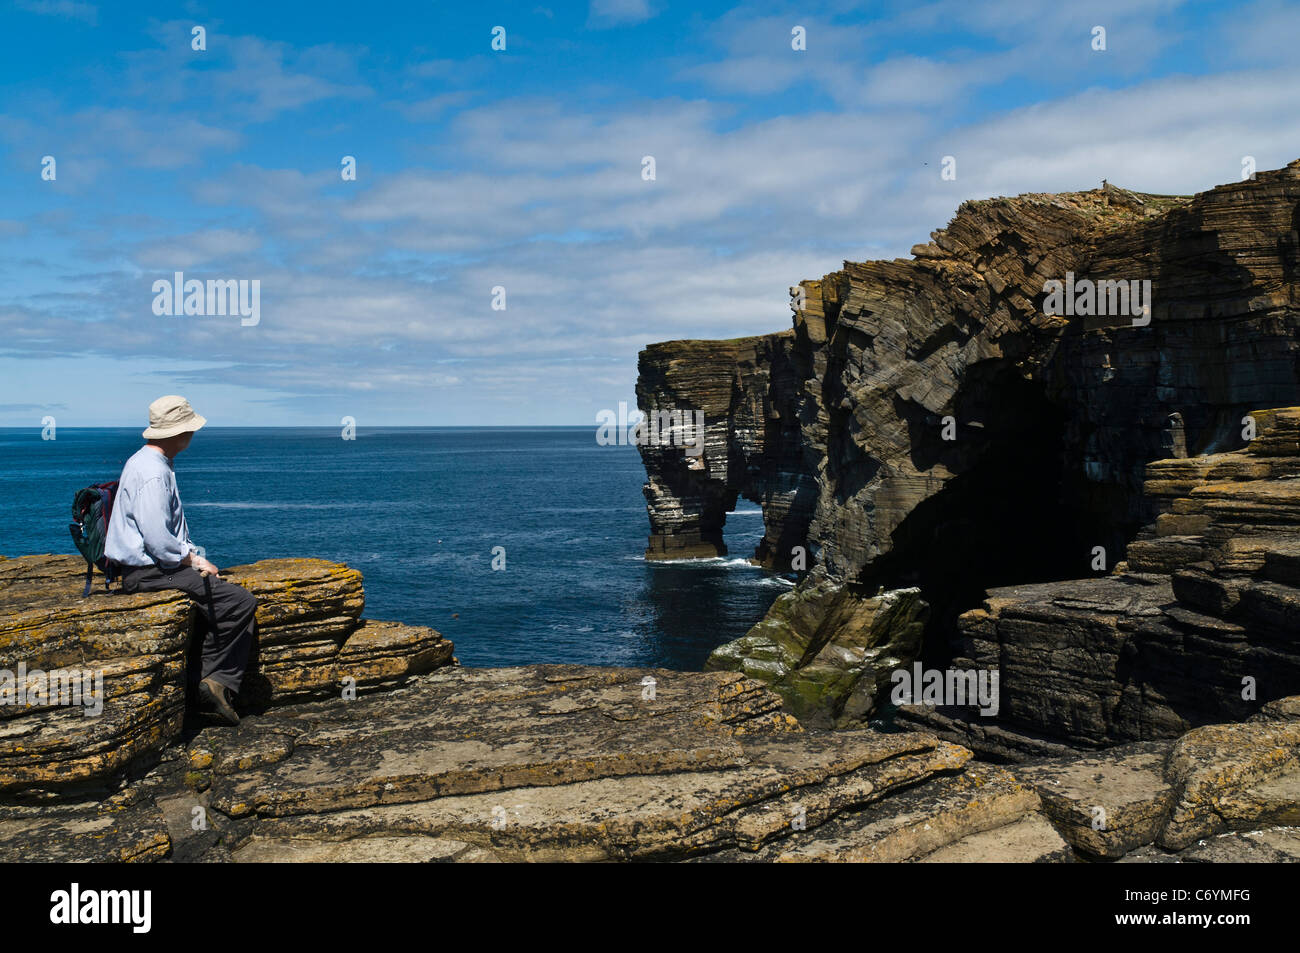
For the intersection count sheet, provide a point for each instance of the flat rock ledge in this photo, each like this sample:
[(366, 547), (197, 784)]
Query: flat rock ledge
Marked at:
[(574, 763)]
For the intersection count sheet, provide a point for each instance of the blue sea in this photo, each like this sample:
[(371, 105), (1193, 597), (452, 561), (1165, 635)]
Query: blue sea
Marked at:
[(419, 512)]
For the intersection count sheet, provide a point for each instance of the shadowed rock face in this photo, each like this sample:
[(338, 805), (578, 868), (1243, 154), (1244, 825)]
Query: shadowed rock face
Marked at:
[(1198, 625), (310, 634), (839, 427)]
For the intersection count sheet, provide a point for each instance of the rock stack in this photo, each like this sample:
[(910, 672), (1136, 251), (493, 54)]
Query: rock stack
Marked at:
[(745, 389), (935, 426)]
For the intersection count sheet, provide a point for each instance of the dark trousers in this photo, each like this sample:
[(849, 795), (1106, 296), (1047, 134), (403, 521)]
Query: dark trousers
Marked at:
[(228, 609)]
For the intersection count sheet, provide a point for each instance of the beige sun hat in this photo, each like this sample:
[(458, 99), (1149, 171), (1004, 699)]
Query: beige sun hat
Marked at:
[(172, 415)]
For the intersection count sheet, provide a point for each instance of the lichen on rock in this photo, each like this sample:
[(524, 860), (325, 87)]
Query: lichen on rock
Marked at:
[(310, 640), (829, 651)]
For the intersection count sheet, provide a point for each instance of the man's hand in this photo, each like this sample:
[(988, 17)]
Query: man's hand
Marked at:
[(204, 567)]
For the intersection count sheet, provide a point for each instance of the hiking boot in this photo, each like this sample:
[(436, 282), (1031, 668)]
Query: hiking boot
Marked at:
[(217, 695)]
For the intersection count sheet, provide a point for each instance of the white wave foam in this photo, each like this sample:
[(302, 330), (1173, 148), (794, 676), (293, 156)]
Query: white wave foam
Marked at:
[(712, 562)]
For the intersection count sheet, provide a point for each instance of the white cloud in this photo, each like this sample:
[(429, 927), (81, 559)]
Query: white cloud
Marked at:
[(178, 252), (609, 13), (66, 9), (1266, 32), (245, 78), (376, 293), (433, 107)]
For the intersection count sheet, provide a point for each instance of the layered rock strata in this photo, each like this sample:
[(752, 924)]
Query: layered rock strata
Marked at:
[(571, 763), (746, 389), (936, 422), (846, 414), (130, 653), (559, 762), (1198, 625)]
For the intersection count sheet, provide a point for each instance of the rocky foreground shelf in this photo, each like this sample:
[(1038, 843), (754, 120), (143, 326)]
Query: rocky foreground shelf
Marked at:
[(574, 763), (440, 762)]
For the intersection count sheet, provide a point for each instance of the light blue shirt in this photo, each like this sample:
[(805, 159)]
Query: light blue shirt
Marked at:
[(148, 525)]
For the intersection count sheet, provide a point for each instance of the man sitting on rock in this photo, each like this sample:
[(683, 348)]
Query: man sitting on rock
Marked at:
[(149, 539)]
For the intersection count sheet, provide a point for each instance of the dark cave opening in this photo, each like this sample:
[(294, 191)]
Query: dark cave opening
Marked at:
[(1009, 517)]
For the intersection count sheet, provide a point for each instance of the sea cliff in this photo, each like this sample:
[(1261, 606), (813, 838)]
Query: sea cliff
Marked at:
[(945, 424)]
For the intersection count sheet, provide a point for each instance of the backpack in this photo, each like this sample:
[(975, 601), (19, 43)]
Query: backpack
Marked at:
[(91, 509)]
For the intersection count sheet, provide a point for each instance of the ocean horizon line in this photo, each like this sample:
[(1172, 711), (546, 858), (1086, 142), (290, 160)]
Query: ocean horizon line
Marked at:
[(360, 427)]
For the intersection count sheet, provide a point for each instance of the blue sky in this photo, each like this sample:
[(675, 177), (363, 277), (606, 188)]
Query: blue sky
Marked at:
[(522, 169)]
